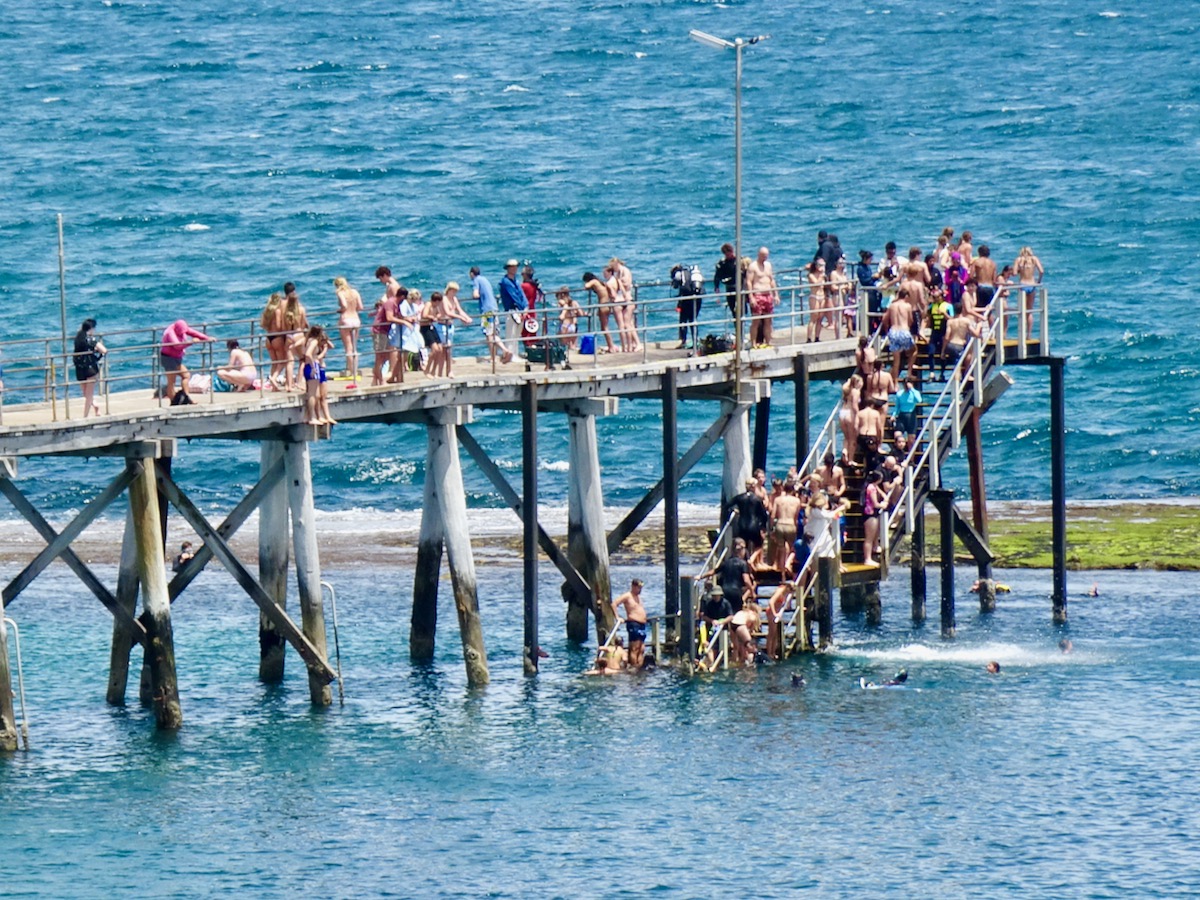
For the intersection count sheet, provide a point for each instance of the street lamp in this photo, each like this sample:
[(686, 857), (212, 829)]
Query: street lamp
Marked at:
[(711, 40)]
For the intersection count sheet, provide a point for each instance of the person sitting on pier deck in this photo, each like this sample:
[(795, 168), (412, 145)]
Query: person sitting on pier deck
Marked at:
[(752, 517), (635, 621), (175, 340), (241, 371)]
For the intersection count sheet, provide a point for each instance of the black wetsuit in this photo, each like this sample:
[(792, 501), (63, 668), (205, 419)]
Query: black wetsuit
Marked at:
[(751, 520)]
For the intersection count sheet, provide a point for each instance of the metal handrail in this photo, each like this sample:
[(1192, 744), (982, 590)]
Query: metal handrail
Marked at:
[(10, 623)]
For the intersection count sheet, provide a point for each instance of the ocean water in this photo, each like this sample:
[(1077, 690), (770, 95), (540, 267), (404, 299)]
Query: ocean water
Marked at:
[(202, 154), (1066, 775)]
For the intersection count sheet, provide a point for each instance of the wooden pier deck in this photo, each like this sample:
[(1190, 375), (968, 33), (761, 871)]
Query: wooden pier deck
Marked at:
[(36, 429)]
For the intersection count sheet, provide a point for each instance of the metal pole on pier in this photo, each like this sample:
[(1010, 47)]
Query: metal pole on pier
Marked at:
[(711, 40), (62, 315), (529, 516), (1058, 487), (670, 399)]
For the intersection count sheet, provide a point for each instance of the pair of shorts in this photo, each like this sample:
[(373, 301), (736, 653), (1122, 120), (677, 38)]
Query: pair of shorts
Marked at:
[(430, 335), (379, 341), (314, 374), (636, 631), (445, 332), (395, 336), (762, 304), (900, 340), (171, 363), (488, 322)]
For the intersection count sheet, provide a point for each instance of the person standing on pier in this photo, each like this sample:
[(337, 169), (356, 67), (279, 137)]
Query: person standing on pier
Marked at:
[(177, 337), (489, 315), (983, 270), (454, 312), (312, 357), (349, 322), (385, 311), (89, 351), (725, 277), (635, 622), (870, 428), (513, 301), (764, 297), (593, 285), (898, 323), (623, 303)]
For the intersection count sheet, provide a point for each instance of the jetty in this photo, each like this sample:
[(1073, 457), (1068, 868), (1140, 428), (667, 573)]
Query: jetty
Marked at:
[(131, 446)]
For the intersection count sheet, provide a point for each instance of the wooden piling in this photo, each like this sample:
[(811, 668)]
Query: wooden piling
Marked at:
[(852, 599), (670, 480), (686, 648), (156, 603), (587, 541), (800, 381), (872, 604), (736, 467), (827, 568), (918, 565), (308, 560), (122, 638), (529, 517), (1058, 487), (272, 565), (445, 472), (422, 633)]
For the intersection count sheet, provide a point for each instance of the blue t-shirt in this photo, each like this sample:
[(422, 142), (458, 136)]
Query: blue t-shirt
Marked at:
[(487, 298), (511, 294), (907, 400)]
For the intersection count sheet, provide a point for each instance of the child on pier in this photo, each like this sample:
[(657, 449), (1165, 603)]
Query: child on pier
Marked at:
[(316, 392)]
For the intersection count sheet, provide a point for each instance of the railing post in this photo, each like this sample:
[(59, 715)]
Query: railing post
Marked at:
[(935, 473), (686, 647), (885, 543), (977, 365), (1023, 314), (998, 332), (909, 512), (955, 408), (1044, 337)]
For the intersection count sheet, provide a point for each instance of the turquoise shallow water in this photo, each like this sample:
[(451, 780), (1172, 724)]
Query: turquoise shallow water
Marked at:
[(204, 154), (1063, 776)]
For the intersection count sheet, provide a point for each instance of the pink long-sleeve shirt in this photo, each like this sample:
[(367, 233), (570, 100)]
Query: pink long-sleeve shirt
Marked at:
[(175, 338)]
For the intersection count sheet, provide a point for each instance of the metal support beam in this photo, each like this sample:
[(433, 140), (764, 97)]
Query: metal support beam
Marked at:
[(654, 496), (944, 501), (529, 517), (762, 432), (979, 514), (800, 380), (670, 482), (1058, 487), (918, 565)]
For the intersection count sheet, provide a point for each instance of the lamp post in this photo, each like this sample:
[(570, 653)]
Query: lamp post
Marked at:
[(711, 40)]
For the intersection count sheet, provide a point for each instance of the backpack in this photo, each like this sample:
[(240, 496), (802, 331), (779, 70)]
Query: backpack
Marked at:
[(687, 281)]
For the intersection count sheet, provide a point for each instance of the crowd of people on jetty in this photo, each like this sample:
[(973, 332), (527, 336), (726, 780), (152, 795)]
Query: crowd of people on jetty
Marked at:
[(946, 292), (943, 298)]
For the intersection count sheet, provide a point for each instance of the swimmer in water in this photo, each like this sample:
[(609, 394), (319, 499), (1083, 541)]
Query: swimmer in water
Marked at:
[(798, 681), (1065, 645), (1095, 591), (993, 668)]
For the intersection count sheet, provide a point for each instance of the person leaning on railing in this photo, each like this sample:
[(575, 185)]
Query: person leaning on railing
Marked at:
[(175, 341)]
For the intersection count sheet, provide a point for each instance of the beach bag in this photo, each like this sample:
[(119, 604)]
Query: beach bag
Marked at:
[(220, 385), (587, 345)]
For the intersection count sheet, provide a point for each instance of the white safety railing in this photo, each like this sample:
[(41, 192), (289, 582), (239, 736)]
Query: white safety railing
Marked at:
[(9, 623)]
